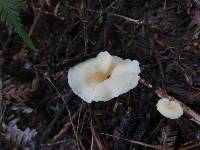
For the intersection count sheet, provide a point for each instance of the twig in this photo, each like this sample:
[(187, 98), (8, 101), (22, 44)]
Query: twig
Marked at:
[(139, 22), (52, 123), (54, 143), (65, 129), (2, 107), (84, 27), (104, 34), (47, 2), (92, 143), (159, 147), (190, 147), (94, 135), (135, 21), (36, 18), (69, 113), (155, 131), (4, 44), (163, 94), (1, 89)]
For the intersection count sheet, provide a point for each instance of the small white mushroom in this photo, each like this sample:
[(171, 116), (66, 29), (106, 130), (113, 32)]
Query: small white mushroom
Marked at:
[(104, 77), (169, 109)]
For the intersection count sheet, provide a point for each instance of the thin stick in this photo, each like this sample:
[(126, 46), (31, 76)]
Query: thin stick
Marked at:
[(190, 147), (159, 147), (135, 21), (1, 89), (2, 107), (96, 138), (65, 128), (54, 120), (69, 113), (126, 18), (92, 143), (36, 18), (84, 26)]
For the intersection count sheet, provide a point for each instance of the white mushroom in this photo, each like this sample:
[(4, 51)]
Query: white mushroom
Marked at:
[(169, 109), (104, 77)]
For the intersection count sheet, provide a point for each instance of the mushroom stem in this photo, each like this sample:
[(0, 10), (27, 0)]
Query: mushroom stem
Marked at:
[(163, 94)]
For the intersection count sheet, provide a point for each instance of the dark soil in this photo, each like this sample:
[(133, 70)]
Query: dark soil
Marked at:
[(163, 36)]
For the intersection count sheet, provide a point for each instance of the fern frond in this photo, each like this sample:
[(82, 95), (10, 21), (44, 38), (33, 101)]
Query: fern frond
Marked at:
[(22, 4), (9, 14)]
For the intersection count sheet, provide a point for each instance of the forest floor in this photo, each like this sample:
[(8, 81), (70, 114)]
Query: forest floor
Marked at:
[(38, 109)]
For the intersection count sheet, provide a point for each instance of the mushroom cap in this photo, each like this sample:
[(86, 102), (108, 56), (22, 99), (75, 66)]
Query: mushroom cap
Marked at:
[(104, 77), (169, 109)]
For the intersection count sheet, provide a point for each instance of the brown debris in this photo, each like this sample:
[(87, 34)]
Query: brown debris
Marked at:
[(162, 35), (65, 129), (19, 92), (168, 137)]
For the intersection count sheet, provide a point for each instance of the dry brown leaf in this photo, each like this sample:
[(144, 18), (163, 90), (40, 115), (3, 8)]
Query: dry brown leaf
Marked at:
[(22, 54), (168, 137), (18, 91)]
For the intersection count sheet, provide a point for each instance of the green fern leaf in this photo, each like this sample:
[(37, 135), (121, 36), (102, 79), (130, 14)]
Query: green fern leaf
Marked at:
[(22, 4), (9, 14)]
